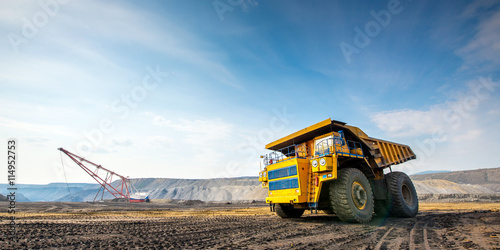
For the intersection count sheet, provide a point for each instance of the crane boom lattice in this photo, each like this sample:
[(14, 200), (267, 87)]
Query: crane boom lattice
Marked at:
[(103, 176)]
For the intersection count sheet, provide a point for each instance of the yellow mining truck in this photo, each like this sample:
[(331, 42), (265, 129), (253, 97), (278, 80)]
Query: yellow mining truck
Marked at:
[(337, 168)]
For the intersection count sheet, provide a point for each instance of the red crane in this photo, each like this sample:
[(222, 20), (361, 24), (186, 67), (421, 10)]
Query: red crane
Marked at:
[(121, 187)]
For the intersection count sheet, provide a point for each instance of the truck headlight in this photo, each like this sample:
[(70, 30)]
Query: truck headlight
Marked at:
[(322, 161), (314, 163)]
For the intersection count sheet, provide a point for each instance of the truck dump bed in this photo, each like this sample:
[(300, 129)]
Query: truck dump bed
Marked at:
[(387, 153)]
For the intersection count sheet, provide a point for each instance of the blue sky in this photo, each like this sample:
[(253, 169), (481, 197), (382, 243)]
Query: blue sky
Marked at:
[(195, 89)]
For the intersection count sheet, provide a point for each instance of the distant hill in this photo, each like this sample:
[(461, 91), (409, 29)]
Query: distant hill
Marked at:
[(469, 184), (48, 192), (223, 189), (432, 172), (487, 178), (19, 198), (478, 176)]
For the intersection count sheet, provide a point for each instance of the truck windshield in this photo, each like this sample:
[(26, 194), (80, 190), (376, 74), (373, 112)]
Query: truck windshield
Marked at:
[(286, 153)]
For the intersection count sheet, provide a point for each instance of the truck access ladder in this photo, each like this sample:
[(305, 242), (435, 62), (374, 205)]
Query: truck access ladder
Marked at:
[(311, 191)]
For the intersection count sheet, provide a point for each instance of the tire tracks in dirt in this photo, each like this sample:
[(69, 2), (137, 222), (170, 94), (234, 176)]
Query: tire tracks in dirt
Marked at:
[(419, 237), (426, 231)]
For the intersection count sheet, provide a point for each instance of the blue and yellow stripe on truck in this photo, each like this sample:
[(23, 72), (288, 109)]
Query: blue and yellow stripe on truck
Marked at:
[(285, 182)]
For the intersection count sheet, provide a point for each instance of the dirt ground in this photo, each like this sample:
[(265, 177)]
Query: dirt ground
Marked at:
[(167, 225)]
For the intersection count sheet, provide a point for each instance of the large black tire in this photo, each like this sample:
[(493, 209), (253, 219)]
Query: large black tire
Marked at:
[(288, 211), (351, 196), (403, 199)]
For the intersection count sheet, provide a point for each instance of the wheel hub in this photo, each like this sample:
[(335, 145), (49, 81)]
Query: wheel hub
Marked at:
[(408, 198), (358, 195)]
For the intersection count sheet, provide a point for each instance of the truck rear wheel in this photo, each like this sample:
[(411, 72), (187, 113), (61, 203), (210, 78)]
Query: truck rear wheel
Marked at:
[(288, 211), (351, 196), (403, 199)]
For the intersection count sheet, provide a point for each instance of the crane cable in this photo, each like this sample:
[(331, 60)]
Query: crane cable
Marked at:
[(64, 171)]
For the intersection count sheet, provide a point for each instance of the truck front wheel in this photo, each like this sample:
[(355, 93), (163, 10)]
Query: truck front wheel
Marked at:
[(351, 196), (288, 211)]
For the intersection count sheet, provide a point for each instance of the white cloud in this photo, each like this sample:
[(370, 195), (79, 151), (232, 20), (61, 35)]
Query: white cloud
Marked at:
[(41, 128), (205, 142), (12, 12), (36, 139), (483, 50), (407, 122), (468, 135), (476, 6), (199, 129), (457, 134), (439, 118), (206, 137), (153, 32), (160, 142), (124, 142), (82, 34)]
